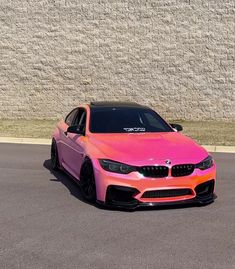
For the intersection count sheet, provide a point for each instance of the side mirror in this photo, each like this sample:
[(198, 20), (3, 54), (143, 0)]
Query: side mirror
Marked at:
[(176, 127), (76, 130)]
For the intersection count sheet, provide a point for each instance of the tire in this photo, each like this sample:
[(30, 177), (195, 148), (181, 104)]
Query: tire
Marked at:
[(87, 181), (54, 156)]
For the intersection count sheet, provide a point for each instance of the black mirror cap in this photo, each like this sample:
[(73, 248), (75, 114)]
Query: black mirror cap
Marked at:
[(177, 127), (75, 130)]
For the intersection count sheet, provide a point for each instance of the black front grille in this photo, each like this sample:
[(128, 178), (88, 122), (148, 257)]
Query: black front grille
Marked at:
[(166, 193), (182, 170), (154, 171)]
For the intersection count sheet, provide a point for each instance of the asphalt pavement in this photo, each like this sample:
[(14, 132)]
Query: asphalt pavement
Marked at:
[(44, 223)]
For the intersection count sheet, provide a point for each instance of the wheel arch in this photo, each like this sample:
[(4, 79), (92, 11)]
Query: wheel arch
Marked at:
[(86, 158)]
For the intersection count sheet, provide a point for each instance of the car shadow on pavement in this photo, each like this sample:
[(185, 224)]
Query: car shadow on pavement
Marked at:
[(73, 187), (67, 181)]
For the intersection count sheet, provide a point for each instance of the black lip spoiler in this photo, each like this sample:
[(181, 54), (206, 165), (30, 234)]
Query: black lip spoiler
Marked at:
[(194, 201)]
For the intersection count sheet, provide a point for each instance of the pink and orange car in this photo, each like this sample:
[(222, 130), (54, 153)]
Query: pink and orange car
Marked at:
[(125, 155)]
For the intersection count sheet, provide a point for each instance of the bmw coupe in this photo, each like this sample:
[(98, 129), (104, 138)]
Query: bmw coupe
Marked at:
[(126, 155)]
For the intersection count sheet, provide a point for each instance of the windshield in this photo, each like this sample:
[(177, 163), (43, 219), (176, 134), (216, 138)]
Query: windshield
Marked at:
[(126, 120)]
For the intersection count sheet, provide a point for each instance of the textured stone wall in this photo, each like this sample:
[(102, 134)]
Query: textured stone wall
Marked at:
[(175, 55)]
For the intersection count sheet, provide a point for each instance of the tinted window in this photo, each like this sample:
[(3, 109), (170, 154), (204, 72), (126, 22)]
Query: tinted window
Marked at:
[(126, 120), (80, 119), (70, 118)]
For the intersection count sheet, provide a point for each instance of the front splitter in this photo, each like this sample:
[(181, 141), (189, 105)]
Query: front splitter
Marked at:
[(137, 204)]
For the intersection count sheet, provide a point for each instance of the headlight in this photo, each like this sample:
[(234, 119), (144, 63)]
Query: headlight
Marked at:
[(116, 167), (205, 164)]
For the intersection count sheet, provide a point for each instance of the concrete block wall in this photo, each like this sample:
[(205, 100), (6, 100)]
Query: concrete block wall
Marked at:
[(176, 56)]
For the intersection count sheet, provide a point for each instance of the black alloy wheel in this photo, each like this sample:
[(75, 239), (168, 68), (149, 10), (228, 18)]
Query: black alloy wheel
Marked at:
[(87, 181), (54, 156)]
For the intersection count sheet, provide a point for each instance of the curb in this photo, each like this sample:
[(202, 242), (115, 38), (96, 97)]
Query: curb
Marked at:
[(38, 141), (30, 141)]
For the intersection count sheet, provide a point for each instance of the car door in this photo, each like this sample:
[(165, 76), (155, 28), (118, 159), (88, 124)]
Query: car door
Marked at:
[(74, 145), (63, 148)]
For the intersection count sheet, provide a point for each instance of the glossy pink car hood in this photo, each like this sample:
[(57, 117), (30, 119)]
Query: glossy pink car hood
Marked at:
[(148, 148)]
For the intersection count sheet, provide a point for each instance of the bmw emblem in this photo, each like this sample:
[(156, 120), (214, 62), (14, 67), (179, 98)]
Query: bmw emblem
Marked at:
[(168, 161)]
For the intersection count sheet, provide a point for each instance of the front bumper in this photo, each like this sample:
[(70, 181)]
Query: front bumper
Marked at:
[(150, 192), (204, 195)]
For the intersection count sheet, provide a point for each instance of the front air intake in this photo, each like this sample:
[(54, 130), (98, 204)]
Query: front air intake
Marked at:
[(205, 189), (167, 193)]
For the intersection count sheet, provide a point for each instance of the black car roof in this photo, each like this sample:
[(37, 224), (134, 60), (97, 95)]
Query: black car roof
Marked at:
[(115, 104)]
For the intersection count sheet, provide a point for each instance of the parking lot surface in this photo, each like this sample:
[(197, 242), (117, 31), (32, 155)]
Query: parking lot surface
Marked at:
[(44, 223)]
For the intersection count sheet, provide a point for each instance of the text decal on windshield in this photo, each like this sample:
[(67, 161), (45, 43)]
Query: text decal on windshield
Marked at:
[(134, 129)]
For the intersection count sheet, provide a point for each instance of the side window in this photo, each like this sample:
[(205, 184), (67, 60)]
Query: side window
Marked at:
[(70, 118), (80, 119)]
